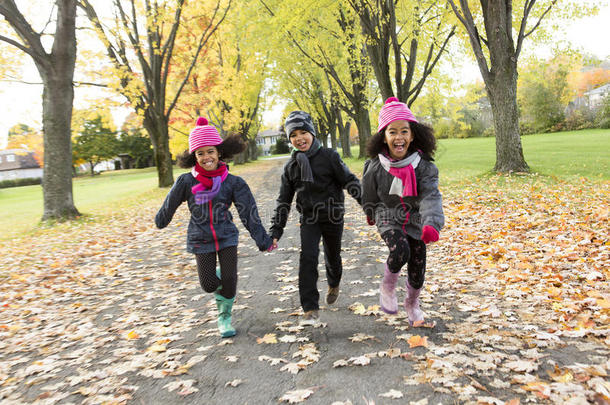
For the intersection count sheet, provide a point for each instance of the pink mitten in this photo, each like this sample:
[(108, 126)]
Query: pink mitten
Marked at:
[(429, 234)]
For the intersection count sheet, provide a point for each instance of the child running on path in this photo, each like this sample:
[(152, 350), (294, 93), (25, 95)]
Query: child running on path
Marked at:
[(209, 191), (400, 194), (318, 176)]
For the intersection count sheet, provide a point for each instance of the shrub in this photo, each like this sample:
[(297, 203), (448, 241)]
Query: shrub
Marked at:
[(281, 147), (20, 182)]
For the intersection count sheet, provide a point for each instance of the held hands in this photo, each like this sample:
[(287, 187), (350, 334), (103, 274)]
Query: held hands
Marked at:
[(273, 246), (429, 234)]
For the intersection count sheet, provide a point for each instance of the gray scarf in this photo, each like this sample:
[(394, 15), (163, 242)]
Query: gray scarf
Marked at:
[(302, 159)]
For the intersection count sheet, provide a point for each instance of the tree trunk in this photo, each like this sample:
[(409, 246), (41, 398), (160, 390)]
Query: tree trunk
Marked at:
[(159, 136), (344, 136), (363, 123), (332, 133), (323, 135), (57, 98), (501, 85), (57, 72), (509, 152)]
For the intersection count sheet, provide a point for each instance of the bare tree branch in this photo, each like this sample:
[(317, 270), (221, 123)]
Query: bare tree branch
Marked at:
[(475, 40), (24, 30), (529, 4)]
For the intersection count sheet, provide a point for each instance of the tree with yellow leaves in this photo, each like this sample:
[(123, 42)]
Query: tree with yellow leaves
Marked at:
[(140, 41)]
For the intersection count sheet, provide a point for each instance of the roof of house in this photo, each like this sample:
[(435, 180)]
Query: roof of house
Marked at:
[(22, 159), (601, 89), (269, 132)]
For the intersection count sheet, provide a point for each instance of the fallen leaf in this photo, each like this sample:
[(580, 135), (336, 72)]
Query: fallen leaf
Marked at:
[(360, 361), (132, 335), (293, 397), (269, 338), (340, 363), (233, 383), (394, 394), (293, 368), (156, 348), (416, 341)]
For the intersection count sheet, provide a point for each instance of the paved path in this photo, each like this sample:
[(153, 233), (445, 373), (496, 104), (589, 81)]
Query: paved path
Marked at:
[(146, 333)]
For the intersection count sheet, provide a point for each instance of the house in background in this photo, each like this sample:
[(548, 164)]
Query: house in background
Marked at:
[(596, 96), (18, 164), (267, 138), (590, 99)]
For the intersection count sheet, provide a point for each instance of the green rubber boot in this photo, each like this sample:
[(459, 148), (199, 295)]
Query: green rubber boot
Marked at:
[(224, 315)]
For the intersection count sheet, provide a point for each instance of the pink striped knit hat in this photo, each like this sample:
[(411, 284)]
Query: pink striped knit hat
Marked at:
[(394, 110), (203, 135)]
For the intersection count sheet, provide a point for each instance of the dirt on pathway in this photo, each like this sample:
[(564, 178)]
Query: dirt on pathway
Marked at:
[(118, 316)]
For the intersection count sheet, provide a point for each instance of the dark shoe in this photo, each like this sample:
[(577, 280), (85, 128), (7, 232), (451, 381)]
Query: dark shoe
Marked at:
[(310, 317), (332, 295)]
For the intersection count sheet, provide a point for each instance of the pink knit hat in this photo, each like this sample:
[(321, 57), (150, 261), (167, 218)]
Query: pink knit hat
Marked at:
[(203, 135), (394, 110)]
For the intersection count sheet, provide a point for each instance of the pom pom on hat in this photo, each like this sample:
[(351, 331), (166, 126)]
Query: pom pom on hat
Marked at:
[(203, 135), (394, 110)]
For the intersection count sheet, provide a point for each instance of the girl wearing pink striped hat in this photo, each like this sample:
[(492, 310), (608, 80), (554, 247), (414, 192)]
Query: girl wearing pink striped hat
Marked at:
[(400, 195), (210, 190)]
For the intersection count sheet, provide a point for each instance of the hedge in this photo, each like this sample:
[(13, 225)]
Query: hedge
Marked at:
[(20, 182)]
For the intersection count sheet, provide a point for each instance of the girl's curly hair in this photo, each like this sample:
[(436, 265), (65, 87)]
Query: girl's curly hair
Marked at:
[(230, 146), (423, 140)]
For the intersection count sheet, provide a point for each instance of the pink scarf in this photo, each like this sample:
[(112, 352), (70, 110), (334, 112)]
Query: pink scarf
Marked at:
[(209, 182), (405, 182), (407, 176)]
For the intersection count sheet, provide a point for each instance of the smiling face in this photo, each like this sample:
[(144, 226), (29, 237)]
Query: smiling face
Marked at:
[(398, 137), (301, 139), (207, 157)]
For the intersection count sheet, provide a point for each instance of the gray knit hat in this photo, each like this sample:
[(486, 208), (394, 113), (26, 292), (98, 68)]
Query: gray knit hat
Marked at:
[(299, 120)]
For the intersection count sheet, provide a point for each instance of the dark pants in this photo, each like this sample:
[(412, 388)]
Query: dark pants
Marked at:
[(331, 233), (406, 250), (206, 267)]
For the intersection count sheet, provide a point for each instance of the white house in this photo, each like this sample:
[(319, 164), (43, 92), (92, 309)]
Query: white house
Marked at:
[(18, 164), (267, 138), (595, 97)]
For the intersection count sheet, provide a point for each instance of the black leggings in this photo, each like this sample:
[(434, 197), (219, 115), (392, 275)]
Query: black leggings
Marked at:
[(206, 267), (405, 249)]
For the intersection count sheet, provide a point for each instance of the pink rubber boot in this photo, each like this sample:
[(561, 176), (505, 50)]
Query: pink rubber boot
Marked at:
[(387, 292), (415, 314)]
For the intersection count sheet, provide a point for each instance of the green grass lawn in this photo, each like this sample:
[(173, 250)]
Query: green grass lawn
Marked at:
[(561, 156), (93, 196)]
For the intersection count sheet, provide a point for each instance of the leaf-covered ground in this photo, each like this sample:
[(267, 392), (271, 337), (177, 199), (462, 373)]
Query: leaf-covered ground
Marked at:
[(112, 312)]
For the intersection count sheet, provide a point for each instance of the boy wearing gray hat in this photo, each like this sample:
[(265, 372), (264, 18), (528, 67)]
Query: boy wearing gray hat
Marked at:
[(317, 176)]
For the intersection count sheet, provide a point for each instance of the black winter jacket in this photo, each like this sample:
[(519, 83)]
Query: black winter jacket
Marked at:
[(211, 227), (321, 200)]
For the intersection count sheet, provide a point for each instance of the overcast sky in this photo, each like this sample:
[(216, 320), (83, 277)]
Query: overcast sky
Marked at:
[(22, 103)]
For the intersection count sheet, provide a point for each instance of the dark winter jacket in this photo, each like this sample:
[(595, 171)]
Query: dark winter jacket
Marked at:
[(321, 200), (211, 227), (391, 211)]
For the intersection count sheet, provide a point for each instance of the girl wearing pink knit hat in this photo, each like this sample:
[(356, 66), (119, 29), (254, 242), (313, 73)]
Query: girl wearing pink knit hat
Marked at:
[(209, 190), (400, 195)]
